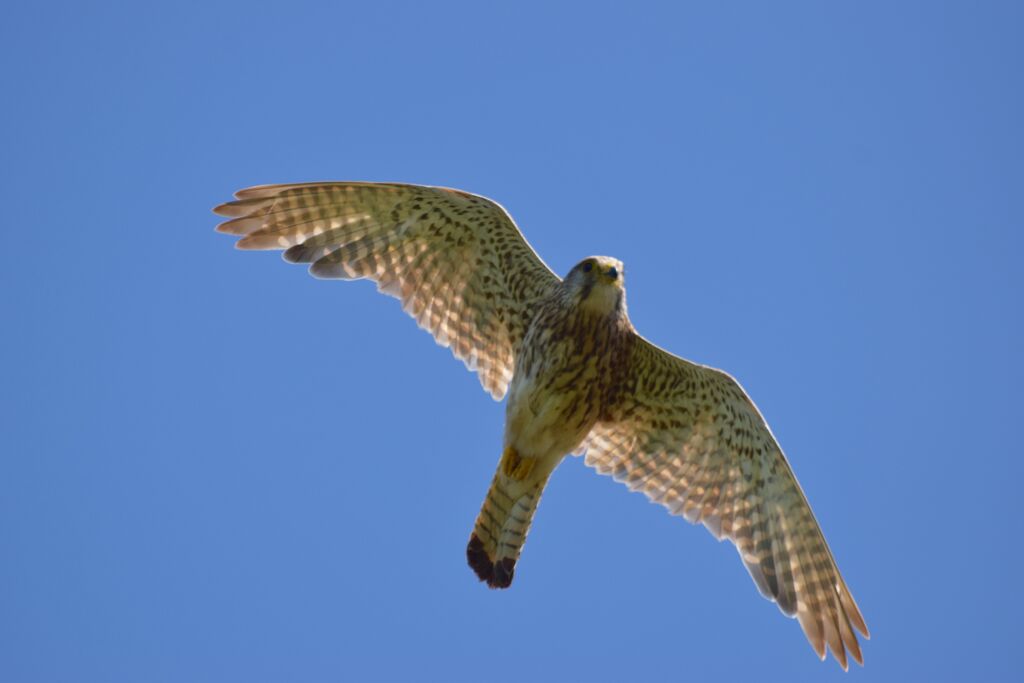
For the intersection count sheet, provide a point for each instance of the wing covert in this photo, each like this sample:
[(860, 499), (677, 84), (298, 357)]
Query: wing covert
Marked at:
[(457, 261), (690, 439)]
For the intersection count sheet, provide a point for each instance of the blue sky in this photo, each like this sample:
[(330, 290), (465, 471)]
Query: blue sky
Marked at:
[(216, 468)]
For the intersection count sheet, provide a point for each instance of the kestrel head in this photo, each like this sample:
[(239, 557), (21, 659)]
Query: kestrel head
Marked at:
[(597, 284)]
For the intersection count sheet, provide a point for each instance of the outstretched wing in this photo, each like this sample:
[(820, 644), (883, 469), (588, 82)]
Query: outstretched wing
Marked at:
[(457, 261), (690, 439)]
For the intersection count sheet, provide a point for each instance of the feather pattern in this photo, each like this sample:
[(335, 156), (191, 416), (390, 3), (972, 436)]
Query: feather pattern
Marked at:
[(689, 438), (456, 261)]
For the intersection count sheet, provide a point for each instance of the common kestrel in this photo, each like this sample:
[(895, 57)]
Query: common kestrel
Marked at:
[(579, 380)]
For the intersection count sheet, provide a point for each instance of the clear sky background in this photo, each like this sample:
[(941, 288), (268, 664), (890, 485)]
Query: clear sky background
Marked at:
[(216, 468)]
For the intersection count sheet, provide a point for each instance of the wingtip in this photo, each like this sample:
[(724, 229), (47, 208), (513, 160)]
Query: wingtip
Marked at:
[(860, 625), (220, 209), (841, 658), (254, 243), (256, 190), (323, 271), (293, 254)]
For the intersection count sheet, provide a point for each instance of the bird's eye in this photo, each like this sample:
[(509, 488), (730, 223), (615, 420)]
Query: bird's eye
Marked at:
[(587, 267)]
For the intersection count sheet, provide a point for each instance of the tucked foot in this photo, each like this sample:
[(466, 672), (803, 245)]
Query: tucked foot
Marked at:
[(514, 466)]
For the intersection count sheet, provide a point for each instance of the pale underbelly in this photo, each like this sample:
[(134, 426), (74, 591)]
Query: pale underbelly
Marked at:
[(546, 425)]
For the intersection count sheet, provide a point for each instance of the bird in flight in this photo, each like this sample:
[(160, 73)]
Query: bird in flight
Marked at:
[(578, 377)]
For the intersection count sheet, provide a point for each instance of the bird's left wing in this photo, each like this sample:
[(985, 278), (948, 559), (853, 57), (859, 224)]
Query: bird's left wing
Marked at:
[(456, 260), (690, 438)]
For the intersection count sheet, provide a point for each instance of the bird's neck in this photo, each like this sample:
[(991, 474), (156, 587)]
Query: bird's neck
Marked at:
[(603, 301)]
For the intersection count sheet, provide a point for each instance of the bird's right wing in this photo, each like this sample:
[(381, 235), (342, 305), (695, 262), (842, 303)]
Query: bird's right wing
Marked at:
[(457, 261), (690, 438)]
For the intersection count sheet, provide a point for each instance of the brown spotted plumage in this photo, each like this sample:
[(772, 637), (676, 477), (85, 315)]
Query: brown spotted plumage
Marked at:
[(457, 261), (579, 380)]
